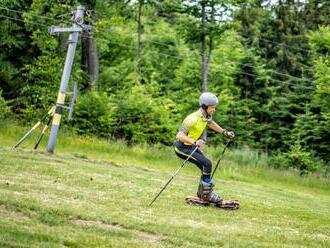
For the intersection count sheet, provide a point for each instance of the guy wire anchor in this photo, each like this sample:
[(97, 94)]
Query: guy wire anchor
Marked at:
[(49, 115)]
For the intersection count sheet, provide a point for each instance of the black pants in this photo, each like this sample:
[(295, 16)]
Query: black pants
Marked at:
[(198, 158)]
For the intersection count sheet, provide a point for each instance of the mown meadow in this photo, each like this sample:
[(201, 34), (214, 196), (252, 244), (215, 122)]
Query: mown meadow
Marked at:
[(95, 193)]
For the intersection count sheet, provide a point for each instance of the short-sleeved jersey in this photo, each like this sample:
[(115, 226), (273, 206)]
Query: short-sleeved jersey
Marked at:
[(194, 125)]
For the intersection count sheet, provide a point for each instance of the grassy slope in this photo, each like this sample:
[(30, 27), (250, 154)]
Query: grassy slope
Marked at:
[(94, 194)]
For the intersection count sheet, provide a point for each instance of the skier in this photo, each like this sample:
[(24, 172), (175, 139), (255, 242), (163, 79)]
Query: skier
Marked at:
[(192, 133)]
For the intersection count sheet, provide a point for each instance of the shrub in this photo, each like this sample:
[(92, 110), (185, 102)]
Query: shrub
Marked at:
[(134, 115), (297, 158), (91, 115), (4, 109)]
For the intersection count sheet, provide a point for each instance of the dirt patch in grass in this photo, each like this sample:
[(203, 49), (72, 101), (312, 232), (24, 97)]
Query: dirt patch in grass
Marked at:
[(11, 214), (151, 237)]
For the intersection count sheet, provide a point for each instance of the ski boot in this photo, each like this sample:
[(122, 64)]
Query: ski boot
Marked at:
[(206, 197), (205, 192)]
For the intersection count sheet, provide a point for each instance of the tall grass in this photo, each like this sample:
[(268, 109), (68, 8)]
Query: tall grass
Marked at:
[(243, 164)]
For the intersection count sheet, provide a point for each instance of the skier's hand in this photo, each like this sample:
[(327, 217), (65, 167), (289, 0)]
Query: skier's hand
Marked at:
[(228, 134), (200, 143)]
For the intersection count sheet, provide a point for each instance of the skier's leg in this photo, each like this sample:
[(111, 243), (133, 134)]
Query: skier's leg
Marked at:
[(183, 151), (205, 188)]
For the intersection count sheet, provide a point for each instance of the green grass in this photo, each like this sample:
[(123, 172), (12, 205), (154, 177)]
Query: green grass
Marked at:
[(94, 193)]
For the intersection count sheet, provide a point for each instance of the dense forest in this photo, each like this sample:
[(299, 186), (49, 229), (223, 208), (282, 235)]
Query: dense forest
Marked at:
[(142, 66)]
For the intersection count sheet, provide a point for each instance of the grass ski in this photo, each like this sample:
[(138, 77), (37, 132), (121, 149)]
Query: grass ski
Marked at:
[(224, 204)]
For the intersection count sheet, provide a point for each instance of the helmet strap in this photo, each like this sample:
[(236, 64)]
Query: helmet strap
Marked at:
[(207, 115)]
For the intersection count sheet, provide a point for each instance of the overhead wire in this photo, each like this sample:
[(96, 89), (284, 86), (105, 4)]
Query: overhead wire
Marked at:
[(157, 42), (146, 70), (23, 12), (278, 73), (164, 54), (281, 74), (241, 63), (241, 72), (275, 72), (25, 21), (279, 81), (35, 15), (245, 36), (265, 40), (163, 44), (148, 40)]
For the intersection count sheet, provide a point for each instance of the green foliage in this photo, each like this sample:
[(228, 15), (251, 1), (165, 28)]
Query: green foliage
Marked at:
[(187, 76), (4, 109), (115, 78), (298, 158), (320, 44), (311, 128), (320, 41), (312, 132), (141, 117), (163, 56), (226, 62), (269, 67), (15, 49), (91, 112), (134, 116), (44, 76)]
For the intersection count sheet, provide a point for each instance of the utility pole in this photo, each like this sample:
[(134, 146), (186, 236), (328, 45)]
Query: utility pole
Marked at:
[(73, 39)]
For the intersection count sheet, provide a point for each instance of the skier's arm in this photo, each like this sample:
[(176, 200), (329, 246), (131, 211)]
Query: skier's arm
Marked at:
[(215, 127), (181, 136)]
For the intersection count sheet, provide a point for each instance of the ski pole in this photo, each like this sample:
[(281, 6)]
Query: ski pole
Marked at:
[(175, 173), (223, 152)]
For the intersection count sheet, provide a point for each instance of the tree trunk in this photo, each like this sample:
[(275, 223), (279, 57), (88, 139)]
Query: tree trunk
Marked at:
[(89, 61), (139, 31), (206, 53), (203, 50)]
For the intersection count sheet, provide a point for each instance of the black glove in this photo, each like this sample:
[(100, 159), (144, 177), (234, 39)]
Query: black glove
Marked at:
[(228, 134)]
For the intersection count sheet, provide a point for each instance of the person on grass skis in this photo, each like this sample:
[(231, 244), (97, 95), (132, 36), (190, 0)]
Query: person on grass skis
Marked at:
[(192, 133)]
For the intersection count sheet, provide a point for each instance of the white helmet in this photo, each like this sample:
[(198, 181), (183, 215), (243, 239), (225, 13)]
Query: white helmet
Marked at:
[(206, 99)]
